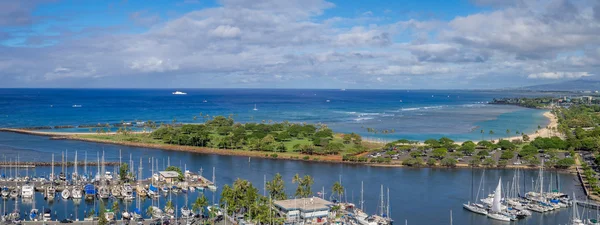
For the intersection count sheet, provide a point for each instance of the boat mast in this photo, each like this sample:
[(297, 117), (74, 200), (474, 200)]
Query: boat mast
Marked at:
[(52, 174), (388, 203), (361, 196), (98, 164), (76, 175), (382, 212), (542, 179), (472, 183)]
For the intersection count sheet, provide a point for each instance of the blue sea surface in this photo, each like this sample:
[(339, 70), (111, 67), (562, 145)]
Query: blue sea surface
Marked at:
[(412, 114)]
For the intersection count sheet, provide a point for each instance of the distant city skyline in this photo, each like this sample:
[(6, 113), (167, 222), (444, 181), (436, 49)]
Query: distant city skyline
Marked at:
[(379, 44)]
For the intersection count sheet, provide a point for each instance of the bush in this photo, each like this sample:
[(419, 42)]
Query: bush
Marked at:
[(415, 162), (431, 162), (483, 153), (528, 150), (565, 163), (474, 162), (449, 162), (506, 145), (274, 155), (506, 155), (306, 158), (502, 163), (440, 153), (488, 162)]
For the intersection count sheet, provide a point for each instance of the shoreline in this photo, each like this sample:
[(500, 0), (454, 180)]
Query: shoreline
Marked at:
[(336, 159)]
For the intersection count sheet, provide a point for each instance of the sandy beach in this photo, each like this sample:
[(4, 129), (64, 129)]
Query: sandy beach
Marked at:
[(543, 132)]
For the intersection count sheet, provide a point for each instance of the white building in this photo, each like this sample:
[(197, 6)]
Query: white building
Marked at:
[(312, 209), (169, 176)]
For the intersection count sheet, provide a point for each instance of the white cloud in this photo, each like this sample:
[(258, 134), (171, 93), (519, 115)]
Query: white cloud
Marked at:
[(558, 75), (226, 31), (295, 42)]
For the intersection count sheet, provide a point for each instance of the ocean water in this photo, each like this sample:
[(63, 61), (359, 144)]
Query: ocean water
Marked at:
[(420, 196), (412, 114)]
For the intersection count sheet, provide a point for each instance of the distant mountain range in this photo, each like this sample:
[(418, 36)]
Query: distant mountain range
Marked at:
[(571, 85)]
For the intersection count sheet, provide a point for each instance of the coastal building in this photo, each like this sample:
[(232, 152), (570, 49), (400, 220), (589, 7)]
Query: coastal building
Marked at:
[(169, 176), (314, 210)]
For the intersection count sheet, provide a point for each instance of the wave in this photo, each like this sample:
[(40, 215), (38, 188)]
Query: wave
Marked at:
[(363, 118)]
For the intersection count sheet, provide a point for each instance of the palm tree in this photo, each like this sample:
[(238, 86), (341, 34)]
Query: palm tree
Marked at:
[(150, 211), (337, 189), (507, 132), (482, 134), (276, 188), (307, 182), (299, 189), (115, 207), (491, 133), (169, 206), (200, 203)]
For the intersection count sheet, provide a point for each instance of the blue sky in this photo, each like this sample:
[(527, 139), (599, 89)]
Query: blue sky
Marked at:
[(298, 43)]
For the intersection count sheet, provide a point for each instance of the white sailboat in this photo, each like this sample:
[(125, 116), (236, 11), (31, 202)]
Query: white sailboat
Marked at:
[(66, 194), (575, 220), (255, 109), (472, 206), (496, 212)]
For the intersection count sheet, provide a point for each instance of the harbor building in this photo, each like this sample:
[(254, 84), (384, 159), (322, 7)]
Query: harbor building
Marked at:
[(312, 209), (169, 176)]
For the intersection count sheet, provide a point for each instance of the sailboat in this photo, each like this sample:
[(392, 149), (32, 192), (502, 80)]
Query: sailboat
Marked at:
[(33, 214), (213, 186), (255, 109), (66, 194), (575, 220), (496, 212), (471, 206), (5, 192), (15, 215)]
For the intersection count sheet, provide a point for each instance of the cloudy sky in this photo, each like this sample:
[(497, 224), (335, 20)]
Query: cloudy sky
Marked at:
[(298, 43)]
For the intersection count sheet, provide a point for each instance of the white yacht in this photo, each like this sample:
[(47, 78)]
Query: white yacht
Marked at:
[(5, 192), (50, 192), (14, 193), (475, 209), (179, 93), (103, 192), (108, 176), (127, 192), (77, 193), (185, 212), (27, 191)]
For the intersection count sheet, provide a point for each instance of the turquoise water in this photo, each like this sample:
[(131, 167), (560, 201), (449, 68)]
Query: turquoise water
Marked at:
[(413, 114)]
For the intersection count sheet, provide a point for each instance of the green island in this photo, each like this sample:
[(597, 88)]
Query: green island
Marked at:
[(275, 140)]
